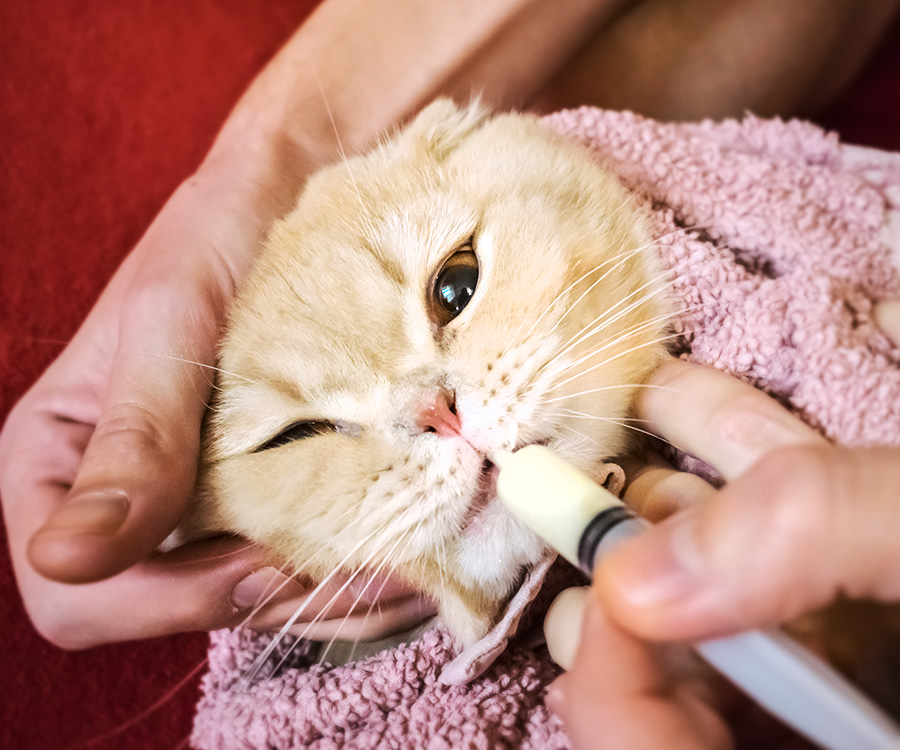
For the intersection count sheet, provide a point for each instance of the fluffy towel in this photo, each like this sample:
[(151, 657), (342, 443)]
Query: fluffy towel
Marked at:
[(775, 237)]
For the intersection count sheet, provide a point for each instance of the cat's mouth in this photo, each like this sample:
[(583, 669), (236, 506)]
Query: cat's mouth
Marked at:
[(484, 495)]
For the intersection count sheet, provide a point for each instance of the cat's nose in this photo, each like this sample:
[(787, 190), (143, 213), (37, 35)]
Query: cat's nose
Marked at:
[(437, 413)]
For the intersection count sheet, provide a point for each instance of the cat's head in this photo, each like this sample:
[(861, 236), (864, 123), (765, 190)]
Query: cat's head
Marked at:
[(470, 277)]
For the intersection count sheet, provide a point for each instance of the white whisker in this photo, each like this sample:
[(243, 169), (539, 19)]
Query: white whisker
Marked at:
[(621, 422), (624, 256), (611, 388), (191, 362), (641, 327), (364, 214), (359, 597), (267, 651), (322, 613), (376, 603), (603, 321), (608, 360)]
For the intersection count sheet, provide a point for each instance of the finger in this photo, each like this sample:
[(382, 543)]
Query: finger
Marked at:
[(215, 584), (188, 589), (377, 621), (887, 315), (139, 467), (801, 527), (656, 490), (562, 625), (184, 590), (721, 420), (619, 689)]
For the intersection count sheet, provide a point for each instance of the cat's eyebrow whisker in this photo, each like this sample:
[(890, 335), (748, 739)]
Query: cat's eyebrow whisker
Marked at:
[(191, 362), (364, 213)]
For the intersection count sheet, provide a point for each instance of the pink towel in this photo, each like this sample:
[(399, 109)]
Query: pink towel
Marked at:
[(778, 240)]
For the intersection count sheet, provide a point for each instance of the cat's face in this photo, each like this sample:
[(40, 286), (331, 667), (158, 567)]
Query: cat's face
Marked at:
[(468, 280)]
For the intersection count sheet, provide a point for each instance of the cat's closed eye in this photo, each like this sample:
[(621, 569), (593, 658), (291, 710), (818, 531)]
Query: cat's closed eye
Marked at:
[(454, 284), (298, 431)]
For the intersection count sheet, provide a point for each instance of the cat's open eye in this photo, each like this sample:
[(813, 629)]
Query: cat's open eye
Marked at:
[(454, 285), (298, 431)]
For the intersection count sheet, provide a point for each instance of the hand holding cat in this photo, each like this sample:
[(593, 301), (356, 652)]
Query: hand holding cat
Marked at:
[(98, 461), (799, 522)]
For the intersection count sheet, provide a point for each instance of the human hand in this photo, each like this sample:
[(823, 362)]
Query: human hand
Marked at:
[(98, 460), (799, 523)]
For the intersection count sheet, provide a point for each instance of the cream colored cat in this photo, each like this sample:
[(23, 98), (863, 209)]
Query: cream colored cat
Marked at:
[(472, 276)]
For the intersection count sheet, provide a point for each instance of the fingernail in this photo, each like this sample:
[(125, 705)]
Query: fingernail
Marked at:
[(660, 567), (562, 625), (92, 514), (253, 590)]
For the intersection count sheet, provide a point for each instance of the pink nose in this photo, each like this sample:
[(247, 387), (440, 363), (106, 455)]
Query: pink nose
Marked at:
[(437, 413)]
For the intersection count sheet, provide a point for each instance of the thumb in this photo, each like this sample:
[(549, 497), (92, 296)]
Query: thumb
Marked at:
[(137, 474), (799, 528)]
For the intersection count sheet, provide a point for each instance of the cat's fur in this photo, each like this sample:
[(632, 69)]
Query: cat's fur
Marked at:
[(336, 323)]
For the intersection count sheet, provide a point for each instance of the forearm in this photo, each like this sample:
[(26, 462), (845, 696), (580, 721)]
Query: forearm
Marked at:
[(690, 59), (358, 67)]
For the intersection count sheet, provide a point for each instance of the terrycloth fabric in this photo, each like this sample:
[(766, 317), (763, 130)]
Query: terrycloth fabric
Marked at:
[(773, 234)]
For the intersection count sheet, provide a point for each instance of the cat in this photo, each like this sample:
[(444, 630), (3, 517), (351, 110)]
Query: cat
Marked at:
[(473, 277)]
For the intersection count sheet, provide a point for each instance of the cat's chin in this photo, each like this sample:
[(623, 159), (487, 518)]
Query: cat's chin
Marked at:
[(495, 546)]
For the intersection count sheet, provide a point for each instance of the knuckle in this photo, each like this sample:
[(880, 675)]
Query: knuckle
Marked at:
[(751, 422), (134, 423), (797, 528)]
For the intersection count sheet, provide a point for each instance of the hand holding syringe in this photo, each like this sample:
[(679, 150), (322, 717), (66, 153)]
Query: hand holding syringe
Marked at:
[(746, 542)]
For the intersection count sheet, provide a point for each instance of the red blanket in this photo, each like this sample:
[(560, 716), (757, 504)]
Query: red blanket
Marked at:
[(105, 108)]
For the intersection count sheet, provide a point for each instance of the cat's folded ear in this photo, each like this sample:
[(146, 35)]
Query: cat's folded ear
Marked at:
[(442, 125)]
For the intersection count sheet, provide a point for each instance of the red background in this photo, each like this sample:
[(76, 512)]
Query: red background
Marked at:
[(105, 107)]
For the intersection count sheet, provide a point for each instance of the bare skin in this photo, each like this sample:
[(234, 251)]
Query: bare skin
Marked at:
[(703, 572), (691, 59), (98, 460)]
